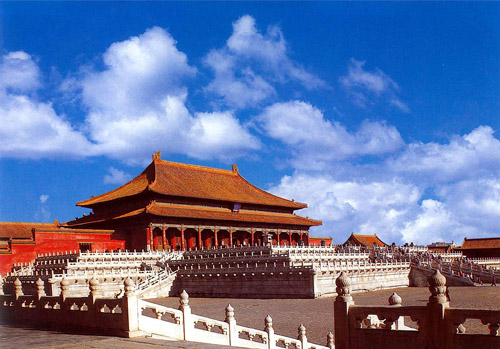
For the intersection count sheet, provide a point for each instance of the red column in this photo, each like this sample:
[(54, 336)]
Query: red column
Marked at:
[(148, 239), (200, 244), (163, 237), (307, 239), (251, 237), (230, 238), (215, 236), (183, 243), (278, 237), (290, 237)]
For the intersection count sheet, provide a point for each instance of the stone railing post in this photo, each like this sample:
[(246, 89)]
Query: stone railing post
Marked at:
[(131, 311), (40, 288), (231, 321), (1, 285), (18, 288), (330, 344), (395, 300), (271, 340), (436, 310), (302, 337), (94, 289), (64, 289), (341, 311), (187, 321)]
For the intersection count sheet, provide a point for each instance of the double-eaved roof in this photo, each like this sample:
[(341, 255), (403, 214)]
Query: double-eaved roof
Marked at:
[(192, 192), (191, 181)]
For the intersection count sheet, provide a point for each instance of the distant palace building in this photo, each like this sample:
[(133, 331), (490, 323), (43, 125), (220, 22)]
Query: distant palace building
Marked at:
[(481, 247), (366, 241), (179, 206)]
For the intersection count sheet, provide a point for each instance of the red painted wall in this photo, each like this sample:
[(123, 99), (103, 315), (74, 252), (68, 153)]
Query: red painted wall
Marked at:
[(48, 242), (317, 241)]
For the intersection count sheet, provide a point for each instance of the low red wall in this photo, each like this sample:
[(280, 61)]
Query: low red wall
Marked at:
[(49, 242)]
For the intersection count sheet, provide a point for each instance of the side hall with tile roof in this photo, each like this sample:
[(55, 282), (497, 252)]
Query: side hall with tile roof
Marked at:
[(481, 247), (367, 241)]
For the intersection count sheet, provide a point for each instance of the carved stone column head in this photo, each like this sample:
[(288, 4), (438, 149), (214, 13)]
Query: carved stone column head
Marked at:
[(395, 299), (229, 313), (343, 283), (94, 286), (329, 340), (129, 287), (268, 322), (184, 299), (40, 288), (302, 332), (437, 286), (18, 288), (64, 287)]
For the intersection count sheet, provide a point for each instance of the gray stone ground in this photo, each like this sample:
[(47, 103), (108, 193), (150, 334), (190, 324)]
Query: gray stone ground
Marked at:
[(19, 338), (288, 314)]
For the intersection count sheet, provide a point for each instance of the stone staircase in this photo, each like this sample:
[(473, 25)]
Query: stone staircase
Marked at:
[(148, 269)]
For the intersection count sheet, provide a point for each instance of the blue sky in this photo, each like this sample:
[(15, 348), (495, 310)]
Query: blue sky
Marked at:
[(383, 117)]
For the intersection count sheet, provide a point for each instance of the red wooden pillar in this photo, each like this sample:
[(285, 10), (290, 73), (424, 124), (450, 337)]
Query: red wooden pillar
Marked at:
[(301, 235), (215, 236), (290, 237), (251, 237), (307, 239), (230, 238), (163, 237), (183, 242), (278, 237), (148, 239), (200, 243)]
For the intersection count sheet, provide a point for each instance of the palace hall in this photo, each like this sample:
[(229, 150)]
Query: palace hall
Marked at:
[(179, 206)]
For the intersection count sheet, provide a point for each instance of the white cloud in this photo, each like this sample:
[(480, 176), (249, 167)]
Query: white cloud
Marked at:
[(476, 202), (139, 73), (352, 206), (19, 72), (245, 68), (473, 155), (42, 214), (29, 128), (362, 84), (316, 142), (425, 193), (44, 198), (116, 176), (138, 104), (435, 223)]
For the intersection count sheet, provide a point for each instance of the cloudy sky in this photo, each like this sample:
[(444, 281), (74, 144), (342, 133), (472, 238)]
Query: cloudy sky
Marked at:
[(383, 117)]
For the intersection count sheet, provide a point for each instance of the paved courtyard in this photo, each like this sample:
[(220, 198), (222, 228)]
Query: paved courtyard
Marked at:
[(288, 314)]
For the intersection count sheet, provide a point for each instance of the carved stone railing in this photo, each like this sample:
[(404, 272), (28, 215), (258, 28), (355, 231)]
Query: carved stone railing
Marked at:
[(101, 315), (485, 260), (435, 325), (182, 324)]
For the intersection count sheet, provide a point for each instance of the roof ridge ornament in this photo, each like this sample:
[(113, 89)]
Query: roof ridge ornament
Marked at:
[(235, 169), (157, 155)]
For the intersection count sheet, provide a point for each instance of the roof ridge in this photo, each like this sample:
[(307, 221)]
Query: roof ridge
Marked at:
[(195, 167), (298, 204)]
